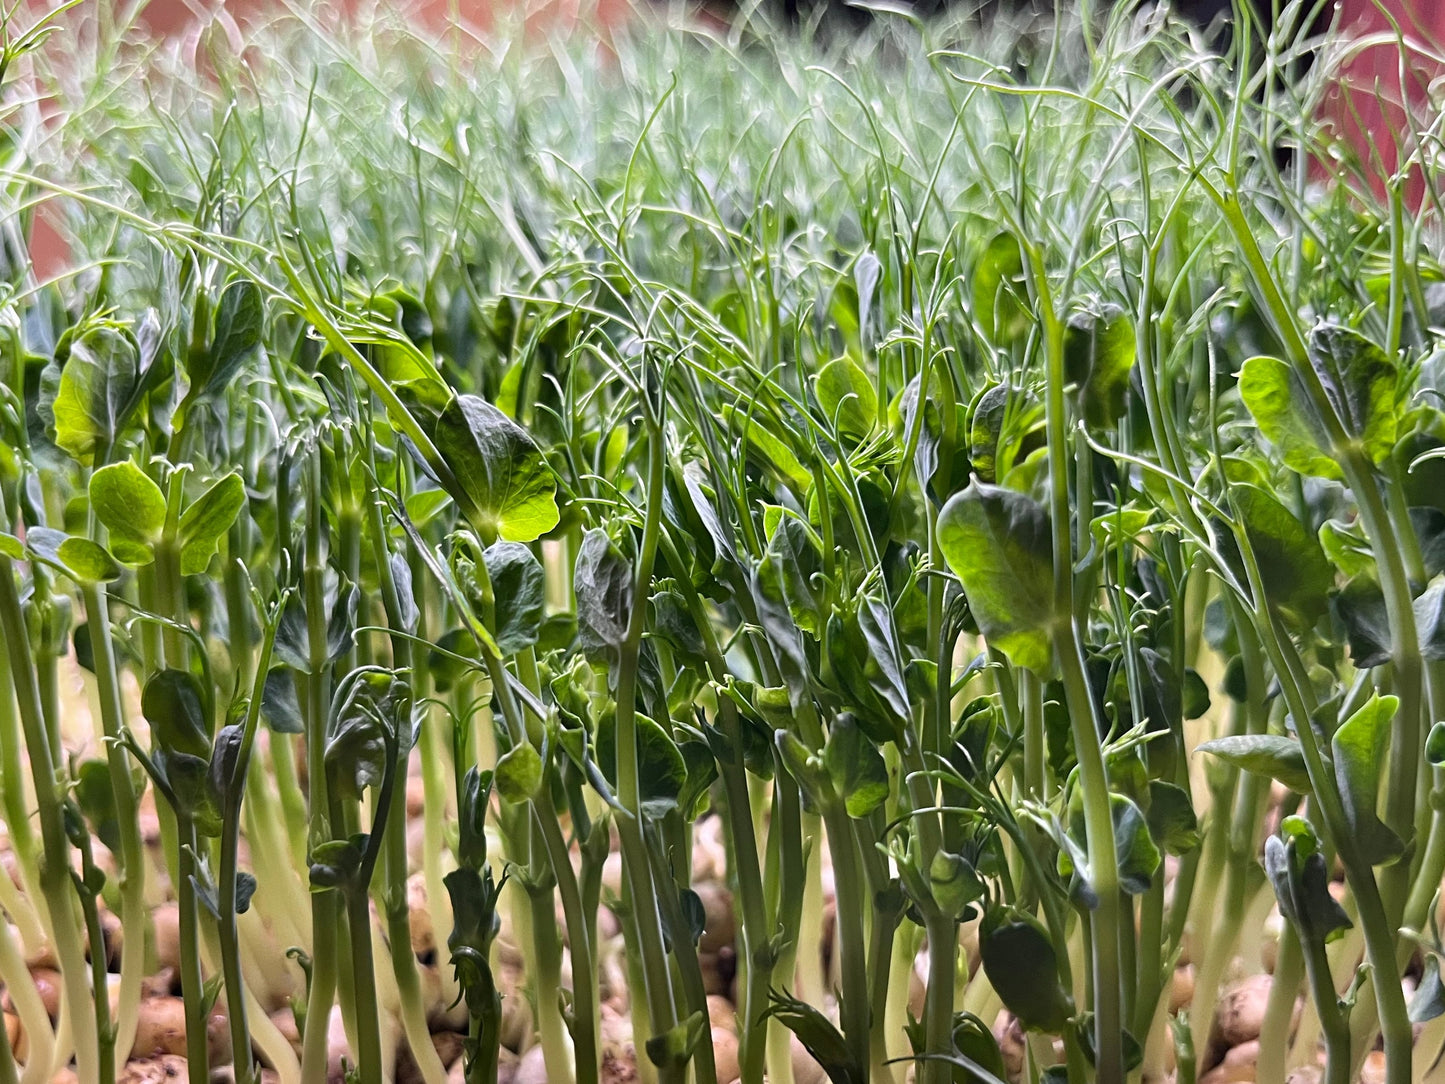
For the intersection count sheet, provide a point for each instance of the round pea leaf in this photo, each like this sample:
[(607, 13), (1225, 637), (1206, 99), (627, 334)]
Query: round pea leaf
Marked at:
[(505, 482)]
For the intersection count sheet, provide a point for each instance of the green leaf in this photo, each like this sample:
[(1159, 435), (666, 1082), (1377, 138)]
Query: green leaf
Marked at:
[(80, 558), (765, 448), (1275, 396), (1361, 386), (518, 774), (1098, 357), (239, 320), (505, 482), (1085, 1030), (11, 547), (96, 799), (97, 384), (1347, 548), (847, 397), (975, 1042), (474, 908), (998, 542), (206, 522), (174, 703), (518, 594), (1359, 748), (1023, 969), (1292, 565), (859, 775), (999, 293), (1273, 755), (955, 883), (133, 509)]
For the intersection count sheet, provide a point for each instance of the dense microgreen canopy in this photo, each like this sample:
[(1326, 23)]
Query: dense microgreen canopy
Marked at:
[(847, 505)]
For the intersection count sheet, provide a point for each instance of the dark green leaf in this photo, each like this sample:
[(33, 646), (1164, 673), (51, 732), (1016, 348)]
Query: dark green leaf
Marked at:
[(701, 771), (476, 792), (245, 891), (189, 778), (603, 585), (1300, 879), (225, 758), (661, 770), (341, 622), (1171, 817), (1138, 857), (819, 1037), (175, 705), (239, 319), (1291, 563), (1435, 745), (96, 798), (368, 728), (280, 706), (1195, 695), (1021, 966), (1430, 622), (474, 908), (1361, 609), (519, 593), (334, 864)]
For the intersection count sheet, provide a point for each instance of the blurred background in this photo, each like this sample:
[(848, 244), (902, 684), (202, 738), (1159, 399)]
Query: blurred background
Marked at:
[(1376, 86)]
